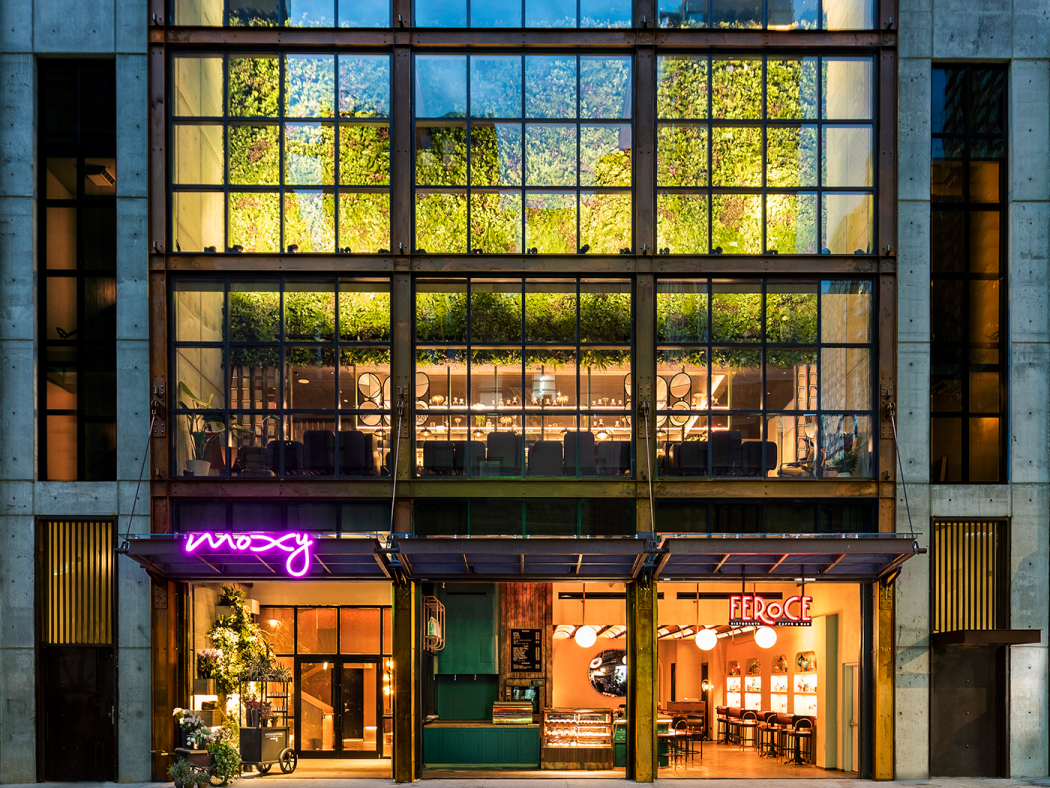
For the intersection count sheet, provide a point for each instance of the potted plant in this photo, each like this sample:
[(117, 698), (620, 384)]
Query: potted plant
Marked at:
[(202, 430), (845, 462), (185, 774), (207, 666), (253, 712), (227, 760)]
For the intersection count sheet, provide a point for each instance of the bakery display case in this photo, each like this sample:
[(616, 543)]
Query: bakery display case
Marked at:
[(512, 712), (577, 739)]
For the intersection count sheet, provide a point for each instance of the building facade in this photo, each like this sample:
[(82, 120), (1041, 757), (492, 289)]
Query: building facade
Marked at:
[(533, 354)]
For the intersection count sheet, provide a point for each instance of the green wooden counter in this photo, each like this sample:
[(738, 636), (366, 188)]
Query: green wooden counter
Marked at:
[(466, 745)]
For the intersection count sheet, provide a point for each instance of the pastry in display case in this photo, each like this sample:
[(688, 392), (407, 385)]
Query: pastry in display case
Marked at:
[(577, 739)]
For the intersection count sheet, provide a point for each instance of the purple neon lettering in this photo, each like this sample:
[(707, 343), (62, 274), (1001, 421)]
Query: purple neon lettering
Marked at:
[(297, 545)]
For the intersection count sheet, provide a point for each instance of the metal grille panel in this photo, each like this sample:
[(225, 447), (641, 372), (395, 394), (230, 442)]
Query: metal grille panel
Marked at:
[(78, 568), (969, 575)]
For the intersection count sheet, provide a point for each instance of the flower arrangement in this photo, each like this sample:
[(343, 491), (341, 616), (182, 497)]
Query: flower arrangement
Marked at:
[(196, 733), (257, 712), (208, 660), (227, 760)]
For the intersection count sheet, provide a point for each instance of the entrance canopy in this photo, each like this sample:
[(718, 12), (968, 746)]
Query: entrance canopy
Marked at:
[(271, 555)]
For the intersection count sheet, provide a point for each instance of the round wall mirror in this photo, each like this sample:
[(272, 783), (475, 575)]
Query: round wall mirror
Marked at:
[(369, 385), (627, 385), (421, 412), (386, 391), (680, 420), (661, 392), (680, 384), (608, 673), (370, 419), (422, 385)]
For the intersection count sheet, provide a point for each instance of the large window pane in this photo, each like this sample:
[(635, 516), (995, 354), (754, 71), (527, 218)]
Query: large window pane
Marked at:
[(848, 224), (681, 223), (440, 86), (550, 87), (441, 222), (495, 87)]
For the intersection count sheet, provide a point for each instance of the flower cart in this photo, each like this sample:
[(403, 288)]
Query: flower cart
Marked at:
[(264, 725)]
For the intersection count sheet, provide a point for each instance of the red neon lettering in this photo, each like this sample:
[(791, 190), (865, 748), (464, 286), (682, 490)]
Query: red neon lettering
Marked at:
[(787, 608), (734, 604), (760, 609), (806, 600), (774, 610)]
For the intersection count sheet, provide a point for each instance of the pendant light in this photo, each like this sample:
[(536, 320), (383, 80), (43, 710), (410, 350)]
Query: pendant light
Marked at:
[(766, 637), (706, 639), (585, 636)]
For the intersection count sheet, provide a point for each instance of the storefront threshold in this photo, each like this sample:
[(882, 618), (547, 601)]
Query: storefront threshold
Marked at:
[(468, 776)]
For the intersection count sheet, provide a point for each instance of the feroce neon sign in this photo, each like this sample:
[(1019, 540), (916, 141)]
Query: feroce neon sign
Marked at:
[(753, 610), (296, 545)]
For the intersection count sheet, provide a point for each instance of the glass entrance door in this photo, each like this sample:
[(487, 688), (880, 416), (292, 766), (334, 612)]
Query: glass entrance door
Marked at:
[(340, 705)]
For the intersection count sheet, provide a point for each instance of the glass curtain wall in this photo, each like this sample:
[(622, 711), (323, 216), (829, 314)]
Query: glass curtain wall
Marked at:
[(521, 154), (765, 378), (281, 377), (523, 377), (280, 153), (765, 155)]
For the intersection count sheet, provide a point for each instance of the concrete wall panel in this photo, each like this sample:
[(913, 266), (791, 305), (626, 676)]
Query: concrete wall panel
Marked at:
[(1029, 160), (17, 140), (17, 409), (16, 27), (87, 499), (913, 130), (1029, 460), (132, 257), (913, 272), (17, 253), (1028, 720), (18, 715), (132, 119), (913, 404), (972, 29), (132, 407), (73, 27)]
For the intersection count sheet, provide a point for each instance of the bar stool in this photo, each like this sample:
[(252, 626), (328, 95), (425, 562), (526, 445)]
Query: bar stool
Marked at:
[(784, 724), (766, 733), (733, 725), (800, 739), (722, 729), (747, 728)]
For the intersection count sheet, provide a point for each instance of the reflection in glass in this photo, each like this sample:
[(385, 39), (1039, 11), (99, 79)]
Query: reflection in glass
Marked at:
[(550, 222), (845, 379), (441, 222), (846, 311), (681, 86), (788, 371), (253, 13), (197, 85), (681, 311), (496, 222), (791, 313), (605, 222), (364, 154), (317, 723), (848, 88), (254, 155), (495, 151), (605, 155), (309, 312), (310, 13), (791, 88), (495, 311), (309, 222), (441, 155), (198, 156), (846, 445), (682, 13), (849, 14), (848, 156), (848, 223), (440, 13), (791, 156), (364, 13), (791, 223), (605, 13), (196, 219), (495, 85), (440, 86), (255, 221), (309, 86), (364, 86), (736, 223), (605, 88), (681, 157), (254, 88), (736, 88), (550, 154), (550, 87), (364, 221), (550, 13), (736, 156), (792, 15), (309, 154), (681, 223), (736, 13)]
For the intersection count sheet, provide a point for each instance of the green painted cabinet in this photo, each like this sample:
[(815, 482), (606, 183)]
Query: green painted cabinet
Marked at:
[(483, 746), (471, 622)]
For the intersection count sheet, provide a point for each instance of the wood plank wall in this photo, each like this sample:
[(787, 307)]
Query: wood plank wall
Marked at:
[(526, 606)]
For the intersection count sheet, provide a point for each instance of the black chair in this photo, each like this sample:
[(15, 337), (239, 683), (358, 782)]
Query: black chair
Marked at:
[(545, 459), (356, 456), (614, 458), (438, 458), (293, 457), (692, 458), (725, 453), (477, 456), (758, 457), (579, 445), (319, 451), (251, 462), (506, 448)]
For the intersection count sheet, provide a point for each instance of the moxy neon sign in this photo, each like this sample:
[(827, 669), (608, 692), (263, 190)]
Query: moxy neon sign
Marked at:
[(295, 544), (751, 609)]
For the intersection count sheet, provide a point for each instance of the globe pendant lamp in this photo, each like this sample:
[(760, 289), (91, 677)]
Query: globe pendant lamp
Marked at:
[(706, 639), (585, 635), (766, 637)]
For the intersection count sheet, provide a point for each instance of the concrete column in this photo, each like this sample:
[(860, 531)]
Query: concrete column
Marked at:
[(641, 681)]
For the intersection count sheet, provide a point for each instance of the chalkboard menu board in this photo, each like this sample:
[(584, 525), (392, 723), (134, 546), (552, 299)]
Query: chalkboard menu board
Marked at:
[(526, 651)]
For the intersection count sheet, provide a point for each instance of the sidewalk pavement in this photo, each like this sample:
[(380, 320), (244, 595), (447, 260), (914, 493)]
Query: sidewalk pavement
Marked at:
[(540, 782)]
